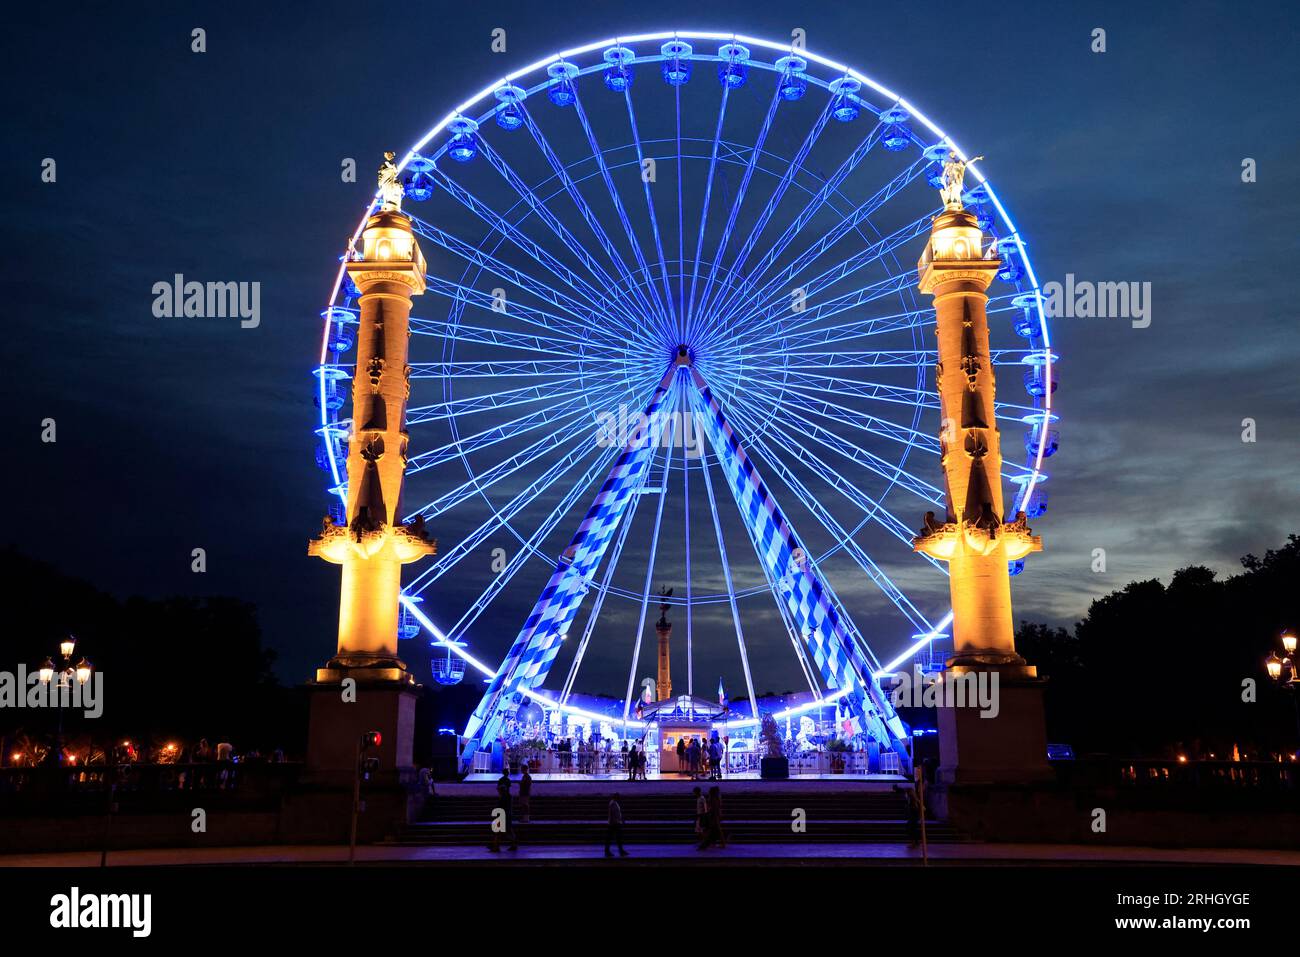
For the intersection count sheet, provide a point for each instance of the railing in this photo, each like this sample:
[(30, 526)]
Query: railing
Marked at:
[(608, 763), (83, 789), (1163, 775), (552, 761)]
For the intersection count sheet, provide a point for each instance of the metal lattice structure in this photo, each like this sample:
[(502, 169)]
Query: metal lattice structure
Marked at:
[(698, 234)]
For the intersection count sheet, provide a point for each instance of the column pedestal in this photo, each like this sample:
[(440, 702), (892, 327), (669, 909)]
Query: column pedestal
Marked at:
[(1010, 748), (336, 725)]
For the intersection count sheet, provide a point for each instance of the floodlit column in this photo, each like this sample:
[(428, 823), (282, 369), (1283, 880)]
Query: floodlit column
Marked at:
[(973, 536), (389, 270)]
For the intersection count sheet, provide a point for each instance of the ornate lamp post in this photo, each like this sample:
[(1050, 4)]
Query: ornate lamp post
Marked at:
[(61, 678), (1286, 670)]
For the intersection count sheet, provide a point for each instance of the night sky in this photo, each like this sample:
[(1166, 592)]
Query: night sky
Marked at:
[(176, 434)]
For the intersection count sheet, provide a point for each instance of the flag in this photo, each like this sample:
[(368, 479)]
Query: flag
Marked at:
[(722, 694)]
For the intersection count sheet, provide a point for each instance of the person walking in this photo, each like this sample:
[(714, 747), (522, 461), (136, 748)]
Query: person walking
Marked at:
[(641, 761), (614, 830), (503, 798), (913, 811), (525, 795), (713, 821), (715, 761), (631, 763), (681, 754)]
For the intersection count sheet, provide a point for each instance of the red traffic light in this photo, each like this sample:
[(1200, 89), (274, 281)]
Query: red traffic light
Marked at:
[(371, 739)]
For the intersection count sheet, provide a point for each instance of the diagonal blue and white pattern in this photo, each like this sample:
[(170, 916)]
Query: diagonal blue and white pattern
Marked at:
[(810, 601), (530, 657)]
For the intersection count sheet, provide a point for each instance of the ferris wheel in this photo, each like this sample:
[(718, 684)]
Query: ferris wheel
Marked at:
[(671, 332)]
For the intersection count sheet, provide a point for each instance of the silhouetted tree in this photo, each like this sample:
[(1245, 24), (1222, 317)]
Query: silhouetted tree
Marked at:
[(1158, 670)]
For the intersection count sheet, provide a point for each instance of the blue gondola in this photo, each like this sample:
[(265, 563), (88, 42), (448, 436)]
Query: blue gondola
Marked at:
[(677, 63), (561, 91)]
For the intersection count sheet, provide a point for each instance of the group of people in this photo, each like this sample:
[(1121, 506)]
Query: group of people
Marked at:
[(503, 823), (708, 816), (699, 758), (587, 754), (635, 761)]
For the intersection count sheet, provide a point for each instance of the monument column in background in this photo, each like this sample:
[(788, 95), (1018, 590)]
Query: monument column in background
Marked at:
[(664, 629), (974, 538)]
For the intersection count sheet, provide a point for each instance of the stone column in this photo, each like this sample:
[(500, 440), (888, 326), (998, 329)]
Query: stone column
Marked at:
[(973, 536), (365, 686)]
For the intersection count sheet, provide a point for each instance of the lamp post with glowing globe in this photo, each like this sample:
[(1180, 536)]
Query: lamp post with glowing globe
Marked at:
[(59, 680), (1285, 671)]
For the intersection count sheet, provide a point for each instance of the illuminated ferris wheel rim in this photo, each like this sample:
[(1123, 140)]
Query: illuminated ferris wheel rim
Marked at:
[(1044, 360)]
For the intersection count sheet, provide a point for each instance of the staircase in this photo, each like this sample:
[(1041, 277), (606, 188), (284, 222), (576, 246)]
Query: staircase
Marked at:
[(876, 817)]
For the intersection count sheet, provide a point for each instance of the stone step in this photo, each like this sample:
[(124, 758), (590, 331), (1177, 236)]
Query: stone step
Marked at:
[(674, 832)]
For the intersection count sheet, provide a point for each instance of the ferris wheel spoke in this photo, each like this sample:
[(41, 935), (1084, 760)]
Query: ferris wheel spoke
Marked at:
[(590, 218), (681, 214), (830, 635), (769, 313), (513, 234), (482, 335), (778, 193), (557, 327), (521, 500), (812, 384), (704, 213), (750, 166), (583, 322), (554, 415), (871, 508), (726, 576), (749, 291), (856, 419), (511, 368), (845, 331), (843, 537), (865, 459), (468, 405), (602, 592), (1012, 471), (533, 545), (778, 326), (650, 566), (489, 477), (650, 206), (539, 208), (658, 306), (886, 359)]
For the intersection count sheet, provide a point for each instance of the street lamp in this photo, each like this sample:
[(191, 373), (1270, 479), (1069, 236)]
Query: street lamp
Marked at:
[(64, 676), (1286, 671)]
